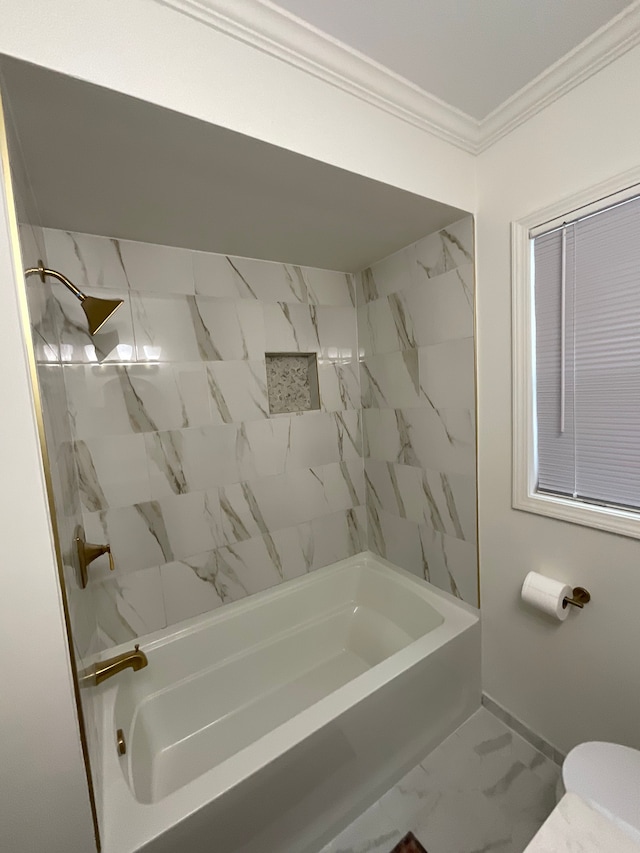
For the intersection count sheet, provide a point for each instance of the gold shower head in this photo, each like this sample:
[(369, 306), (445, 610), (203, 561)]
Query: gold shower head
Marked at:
[(96, 310)]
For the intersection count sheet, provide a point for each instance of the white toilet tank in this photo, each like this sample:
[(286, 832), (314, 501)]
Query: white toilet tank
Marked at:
[(606, 775)]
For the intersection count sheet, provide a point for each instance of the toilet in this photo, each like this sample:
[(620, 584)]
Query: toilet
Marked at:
[(607, 776)]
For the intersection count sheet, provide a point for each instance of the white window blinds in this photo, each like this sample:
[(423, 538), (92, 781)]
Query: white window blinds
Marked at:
[(587, 357)]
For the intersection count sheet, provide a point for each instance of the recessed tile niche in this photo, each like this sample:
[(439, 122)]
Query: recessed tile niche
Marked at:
[(292, 382)]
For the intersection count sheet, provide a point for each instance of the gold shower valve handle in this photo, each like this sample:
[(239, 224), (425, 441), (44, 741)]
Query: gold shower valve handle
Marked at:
[(87, 553)]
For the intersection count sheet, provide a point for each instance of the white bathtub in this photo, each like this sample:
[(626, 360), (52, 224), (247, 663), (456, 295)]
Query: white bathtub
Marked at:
[(268, 725)]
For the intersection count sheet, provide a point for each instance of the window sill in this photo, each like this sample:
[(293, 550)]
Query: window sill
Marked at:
[(611, 519)]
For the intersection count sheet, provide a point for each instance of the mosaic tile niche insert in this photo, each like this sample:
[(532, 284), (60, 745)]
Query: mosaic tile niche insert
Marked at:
[(292, 382)]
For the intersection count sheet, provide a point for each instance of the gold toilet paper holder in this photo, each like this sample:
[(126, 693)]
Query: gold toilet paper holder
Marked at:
[(580, 597)]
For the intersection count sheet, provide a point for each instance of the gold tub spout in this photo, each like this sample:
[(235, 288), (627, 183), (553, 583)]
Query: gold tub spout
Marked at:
[(99, 672)]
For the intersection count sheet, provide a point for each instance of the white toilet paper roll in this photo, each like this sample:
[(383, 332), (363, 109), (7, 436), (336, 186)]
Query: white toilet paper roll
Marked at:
[(546, 594)]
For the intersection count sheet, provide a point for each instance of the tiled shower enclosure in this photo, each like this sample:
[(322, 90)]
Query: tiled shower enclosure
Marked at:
[(416, 341), (165, 445)]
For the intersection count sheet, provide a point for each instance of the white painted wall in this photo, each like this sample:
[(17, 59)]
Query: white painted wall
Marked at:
[(578, 680), (152, 52), (44, 804)]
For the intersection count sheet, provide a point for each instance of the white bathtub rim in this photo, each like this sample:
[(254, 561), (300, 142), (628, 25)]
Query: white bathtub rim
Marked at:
[(163, 636), (128, 823)]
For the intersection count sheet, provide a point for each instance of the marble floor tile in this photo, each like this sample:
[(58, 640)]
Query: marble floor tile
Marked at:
[(483, 789), (379, 838)]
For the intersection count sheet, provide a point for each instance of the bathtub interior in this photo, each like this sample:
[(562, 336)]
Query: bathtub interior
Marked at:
[(247, 671)]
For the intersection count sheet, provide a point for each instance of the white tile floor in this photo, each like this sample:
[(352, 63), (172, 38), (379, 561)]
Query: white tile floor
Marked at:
[(483, 789)]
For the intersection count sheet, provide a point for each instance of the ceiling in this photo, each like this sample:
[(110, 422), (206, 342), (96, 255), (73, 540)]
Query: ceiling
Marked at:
[(104, 163), (472, 54), (112, 165)]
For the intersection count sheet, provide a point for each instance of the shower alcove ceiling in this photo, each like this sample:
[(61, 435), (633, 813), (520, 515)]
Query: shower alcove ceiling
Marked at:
[(116, 166)]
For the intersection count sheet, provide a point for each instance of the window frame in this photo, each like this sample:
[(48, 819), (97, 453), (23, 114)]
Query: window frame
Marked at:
[(524, 495)]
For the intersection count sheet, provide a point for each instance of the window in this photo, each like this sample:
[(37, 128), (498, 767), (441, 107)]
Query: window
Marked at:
[(577, 364)]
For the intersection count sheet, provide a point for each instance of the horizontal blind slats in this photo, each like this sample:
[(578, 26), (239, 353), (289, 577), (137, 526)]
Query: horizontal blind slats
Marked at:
[(598, 455)]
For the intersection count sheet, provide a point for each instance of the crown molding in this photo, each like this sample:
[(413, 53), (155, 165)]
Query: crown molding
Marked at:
[(597, 51), (273, 30)]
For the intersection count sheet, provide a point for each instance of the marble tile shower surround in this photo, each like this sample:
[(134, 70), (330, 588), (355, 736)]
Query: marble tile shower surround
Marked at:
[(416, 341), (171, 454), (165, 446)]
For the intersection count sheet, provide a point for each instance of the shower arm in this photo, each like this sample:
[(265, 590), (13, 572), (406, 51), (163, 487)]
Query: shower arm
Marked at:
[(42, 271), (97, 309)]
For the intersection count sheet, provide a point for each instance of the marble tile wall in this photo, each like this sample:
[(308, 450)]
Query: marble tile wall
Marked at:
[(164, 444), (171, 453), (416, 340)]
